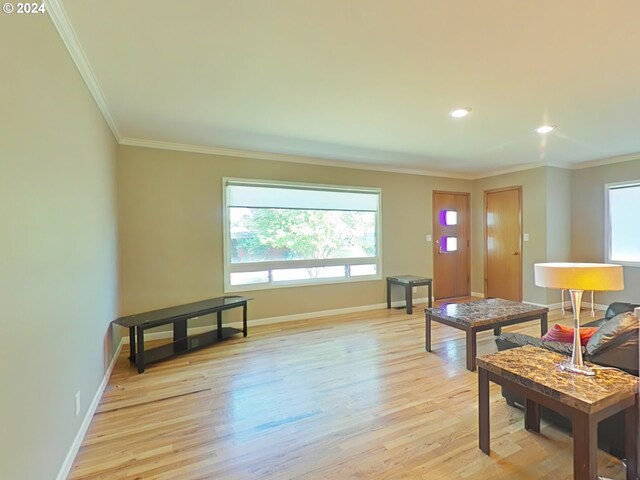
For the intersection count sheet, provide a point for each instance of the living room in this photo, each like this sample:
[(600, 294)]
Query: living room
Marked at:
[(106, 220)]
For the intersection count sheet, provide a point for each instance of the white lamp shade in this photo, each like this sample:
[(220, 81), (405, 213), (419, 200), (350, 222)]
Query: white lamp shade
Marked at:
[(579, 276)]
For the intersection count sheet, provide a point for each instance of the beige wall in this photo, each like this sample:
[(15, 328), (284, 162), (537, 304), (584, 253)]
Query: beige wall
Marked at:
[(57, 248), (587, 226), (171, 228), (534, 210), (170, 225), (558, 220)]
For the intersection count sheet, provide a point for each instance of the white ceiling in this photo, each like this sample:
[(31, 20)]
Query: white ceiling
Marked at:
[(369, 81)]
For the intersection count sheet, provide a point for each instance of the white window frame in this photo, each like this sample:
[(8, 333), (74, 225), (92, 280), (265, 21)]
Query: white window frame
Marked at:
[(607, 221), (229, 267)]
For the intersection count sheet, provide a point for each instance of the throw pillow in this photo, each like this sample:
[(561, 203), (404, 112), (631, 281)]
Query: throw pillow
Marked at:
[(618, 328), (560, 333)]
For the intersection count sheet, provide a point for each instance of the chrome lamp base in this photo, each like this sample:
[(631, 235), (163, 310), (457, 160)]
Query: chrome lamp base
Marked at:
[(576, 364), (567, 366)]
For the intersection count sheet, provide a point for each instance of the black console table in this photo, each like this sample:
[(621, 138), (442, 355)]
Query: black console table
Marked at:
[(178, 316)]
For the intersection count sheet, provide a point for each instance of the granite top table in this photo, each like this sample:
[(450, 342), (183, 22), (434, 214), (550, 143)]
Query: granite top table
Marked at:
[(408, 282), (481, 315), (535, 373)]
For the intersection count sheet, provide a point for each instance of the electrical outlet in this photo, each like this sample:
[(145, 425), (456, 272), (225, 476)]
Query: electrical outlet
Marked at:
[(77, 403), (428, 238), (526, 237)]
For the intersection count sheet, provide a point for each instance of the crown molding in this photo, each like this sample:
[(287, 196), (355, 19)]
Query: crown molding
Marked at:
[(61, 21), (607, 161), (565, 165), (281, 157), (520, 168)]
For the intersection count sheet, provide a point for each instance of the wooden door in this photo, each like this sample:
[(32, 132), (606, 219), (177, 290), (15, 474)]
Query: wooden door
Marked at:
[(451, 259), (503, 244)]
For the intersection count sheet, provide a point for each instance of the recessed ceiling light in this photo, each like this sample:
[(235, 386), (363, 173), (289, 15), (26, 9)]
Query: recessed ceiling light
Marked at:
[(460, 112), (545, 129)]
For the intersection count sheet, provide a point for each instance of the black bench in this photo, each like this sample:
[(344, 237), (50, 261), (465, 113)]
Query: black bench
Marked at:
[(178, 316)]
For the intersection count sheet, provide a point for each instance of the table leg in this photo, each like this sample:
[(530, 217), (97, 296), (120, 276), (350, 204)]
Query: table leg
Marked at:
[(408, 294), (219, 320), (140, 353), (497, 331), (427, 332), (631, 440), (471, 350), (543, 324), (388, 294), (585, 447), (245, 329), (429, 301), (531, 415), (180, 335), (483, 410), (132, 344)]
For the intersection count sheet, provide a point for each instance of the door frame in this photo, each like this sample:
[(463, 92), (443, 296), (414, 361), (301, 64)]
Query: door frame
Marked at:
[(468, 232), (518, 188)]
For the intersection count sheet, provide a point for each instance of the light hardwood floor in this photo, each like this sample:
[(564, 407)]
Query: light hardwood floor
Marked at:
[(349, 396)]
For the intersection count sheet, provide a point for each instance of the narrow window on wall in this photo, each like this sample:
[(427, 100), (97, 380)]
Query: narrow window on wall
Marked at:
[(622, 223), (283, 234)]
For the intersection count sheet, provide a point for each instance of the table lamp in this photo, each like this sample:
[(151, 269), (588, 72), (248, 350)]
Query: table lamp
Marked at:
[(578, 277)]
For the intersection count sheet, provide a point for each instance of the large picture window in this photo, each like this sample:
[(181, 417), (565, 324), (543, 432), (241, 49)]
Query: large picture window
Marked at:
[(622, 232), (281, 234)]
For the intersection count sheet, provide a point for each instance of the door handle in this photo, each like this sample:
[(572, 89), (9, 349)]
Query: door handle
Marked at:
[(439, 247), (516, 253)]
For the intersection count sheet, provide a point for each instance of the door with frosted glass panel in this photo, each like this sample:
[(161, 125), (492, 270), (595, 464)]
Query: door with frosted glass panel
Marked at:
[(451, 258)]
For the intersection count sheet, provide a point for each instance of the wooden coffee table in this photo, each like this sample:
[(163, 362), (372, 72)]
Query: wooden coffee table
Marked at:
[(534, 373), (489, 314)]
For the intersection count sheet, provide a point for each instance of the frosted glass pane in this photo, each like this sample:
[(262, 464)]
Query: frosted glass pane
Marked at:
[(360, 270), (451, 244), (451, 217), (289, 274), (249, 278)]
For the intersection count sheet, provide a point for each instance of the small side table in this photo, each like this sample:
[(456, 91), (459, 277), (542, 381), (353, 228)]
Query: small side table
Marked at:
[(533, 372), (408, 282)]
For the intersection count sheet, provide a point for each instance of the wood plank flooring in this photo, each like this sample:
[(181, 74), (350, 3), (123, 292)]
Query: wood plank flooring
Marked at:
[(344, 397)]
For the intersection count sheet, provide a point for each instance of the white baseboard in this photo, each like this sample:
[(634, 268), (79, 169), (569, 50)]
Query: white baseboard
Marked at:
[(558, 306), (75, 446), (477, 294), (551, 306), (284, 318), (338, 311), (585, 306), (538, 304)]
